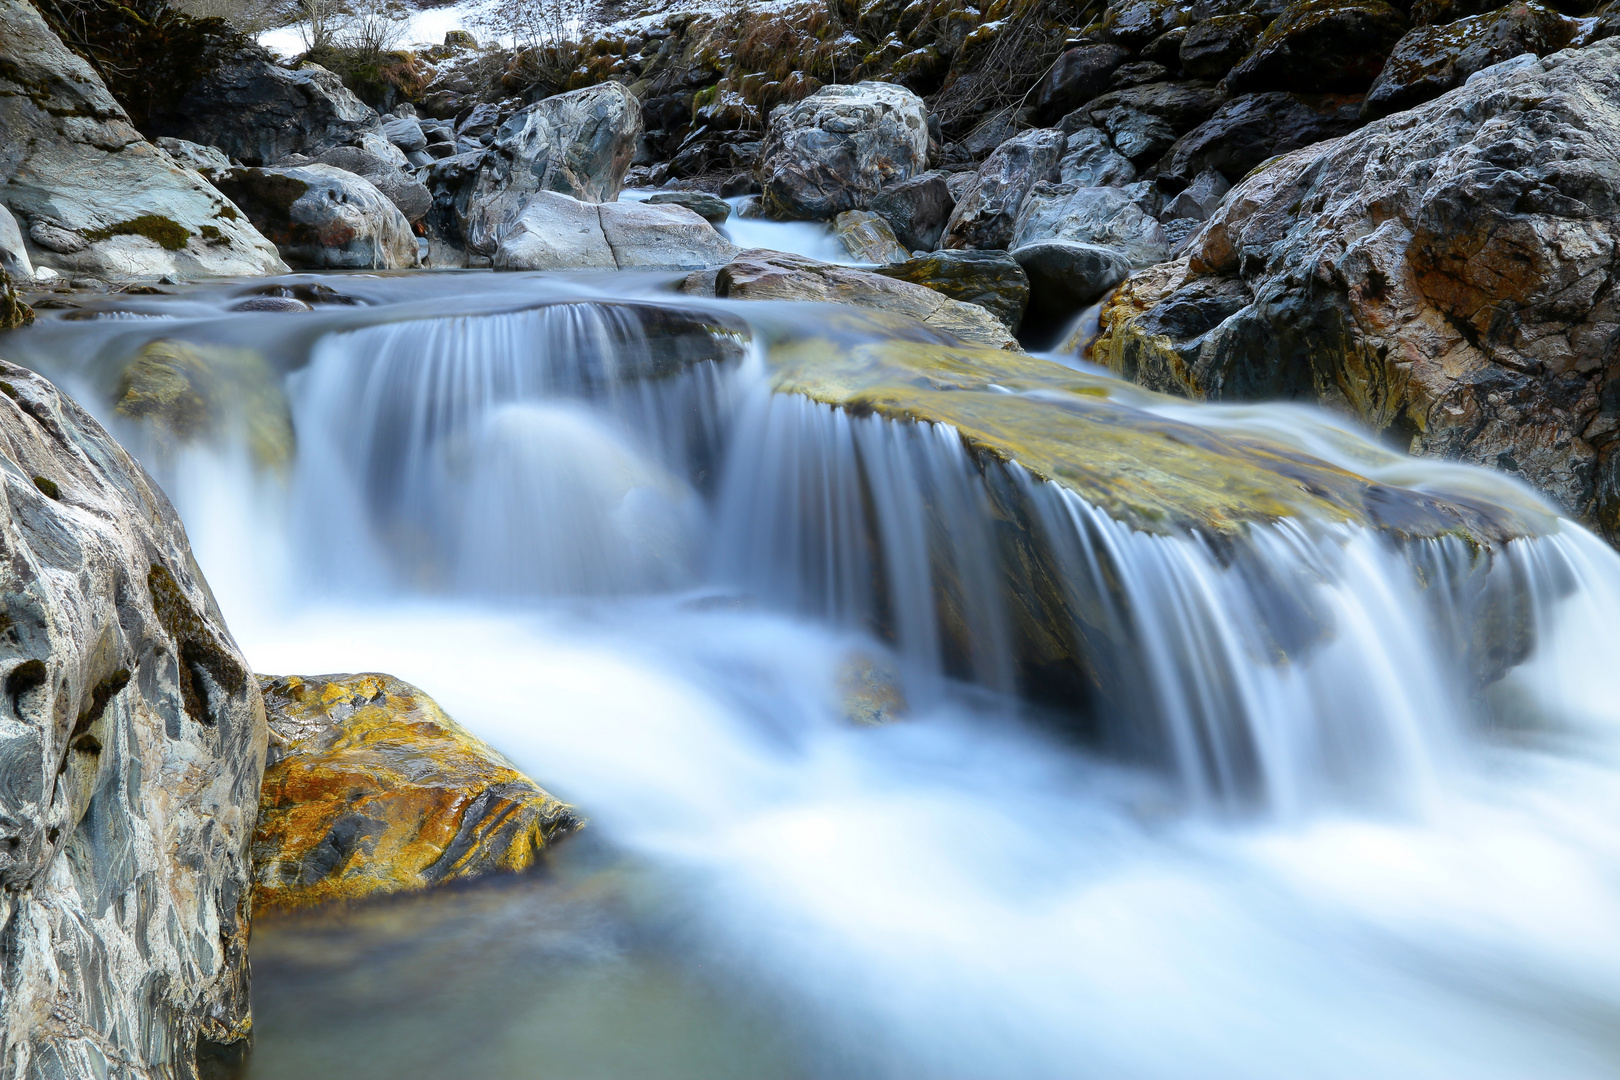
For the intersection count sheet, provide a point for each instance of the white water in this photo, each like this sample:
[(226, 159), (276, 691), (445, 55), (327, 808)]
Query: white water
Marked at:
[(1305, 848)]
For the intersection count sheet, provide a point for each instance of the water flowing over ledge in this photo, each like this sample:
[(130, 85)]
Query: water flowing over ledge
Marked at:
[(635, 542)]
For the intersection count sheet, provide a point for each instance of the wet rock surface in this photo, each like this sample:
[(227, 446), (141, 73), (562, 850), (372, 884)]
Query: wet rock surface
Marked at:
[(555, 232), (993, 280), (1443, 275), (775, 275), (371, 789), (129, 766)]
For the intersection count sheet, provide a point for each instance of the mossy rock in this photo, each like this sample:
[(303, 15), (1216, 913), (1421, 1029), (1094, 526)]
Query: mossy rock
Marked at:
[(1096, 437), (369, 789), (13, 312), (187, 392)]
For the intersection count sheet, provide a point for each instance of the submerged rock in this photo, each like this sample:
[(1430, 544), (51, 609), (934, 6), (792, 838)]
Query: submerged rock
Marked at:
[(371, 789), (870, 692), (185, 392), (1444, 274), (130, 763), (834, 150)]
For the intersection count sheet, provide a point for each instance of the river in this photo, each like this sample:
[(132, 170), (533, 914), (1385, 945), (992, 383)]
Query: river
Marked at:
[(1296, 834)]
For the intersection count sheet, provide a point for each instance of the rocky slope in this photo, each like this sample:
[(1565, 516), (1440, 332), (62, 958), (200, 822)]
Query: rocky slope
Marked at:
[(1446, 275)]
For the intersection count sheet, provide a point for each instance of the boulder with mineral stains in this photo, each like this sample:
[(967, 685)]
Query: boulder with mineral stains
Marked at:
[(1321, 46), (1433, 59), (836, 149), (94, 197), (555, 232), (577, 144), (370, 788), (775, 275), (322, 217), (985, 214), (1444, 274), (917, 209), (992, 280), (130, 764)]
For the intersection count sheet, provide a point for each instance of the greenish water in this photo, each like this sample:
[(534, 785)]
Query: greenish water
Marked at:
[(561, 976)]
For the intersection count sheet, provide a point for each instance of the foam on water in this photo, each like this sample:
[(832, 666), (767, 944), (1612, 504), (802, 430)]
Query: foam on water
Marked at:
[(1342, 807)]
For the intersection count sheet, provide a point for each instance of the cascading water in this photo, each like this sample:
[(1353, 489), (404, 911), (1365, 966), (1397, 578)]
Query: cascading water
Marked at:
[(1294, 799)]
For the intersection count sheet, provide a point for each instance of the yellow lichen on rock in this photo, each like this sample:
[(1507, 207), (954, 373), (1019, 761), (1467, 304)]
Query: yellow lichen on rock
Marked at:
[(370, 788)]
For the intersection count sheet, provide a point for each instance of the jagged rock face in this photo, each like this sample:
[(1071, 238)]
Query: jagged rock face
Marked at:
[(94, 196), (834, 150), (321, 217), (131, 751), (917, 209), (1446, 274), (985, 214), (1433, 59), (1247, 130), (260, 113), (372, 789)]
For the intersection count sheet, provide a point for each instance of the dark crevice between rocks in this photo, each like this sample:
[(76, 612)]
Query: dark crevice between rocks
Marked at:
[(203, 664)]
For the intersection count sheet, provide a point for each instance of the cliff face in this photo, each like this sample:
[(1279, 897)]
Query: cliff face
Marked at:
[(132, 743)]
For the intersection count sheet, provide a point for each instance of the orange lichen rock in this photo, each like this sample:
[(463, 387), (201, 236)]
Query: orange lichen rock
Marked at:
[(370, 788)]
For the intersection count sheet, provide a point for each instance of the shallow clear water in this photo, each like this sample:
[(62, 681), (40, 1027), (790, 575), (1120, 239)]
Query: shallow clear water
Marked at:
[(1296, 840)]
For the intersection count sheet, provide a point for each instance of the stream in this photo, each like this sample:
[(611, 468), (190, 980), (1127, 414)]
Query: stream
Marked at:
[(1290, 831)]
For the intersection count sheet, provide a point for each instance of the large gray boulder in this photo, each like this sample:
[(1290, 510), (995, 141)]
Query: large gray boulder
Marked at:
[(260, 113), (985, 214), (93, 196), (836, 149), (578, 144), (321, 217), (557, 232), (1446, 274), (131, 755)]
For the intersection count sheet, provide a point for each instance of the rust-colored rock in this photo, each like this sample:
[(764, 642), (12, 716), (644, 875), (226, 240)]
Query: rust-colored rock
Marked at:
[(370, 788)]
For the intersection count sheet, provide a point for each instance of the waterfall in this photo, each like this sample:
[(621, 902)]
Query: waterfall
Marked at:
[(1290, 797)]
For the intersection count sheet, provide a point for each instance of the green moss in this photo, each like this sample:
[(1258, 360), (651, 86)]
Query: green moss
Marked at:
[(212, 234), (228, 213), (165, 232), (1100, 440), (48, 488)]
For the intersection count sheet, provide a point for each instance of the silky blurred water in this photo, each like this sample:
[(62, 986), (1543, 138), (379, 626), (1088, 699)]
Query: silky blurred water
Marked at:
[(1300, 839)]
